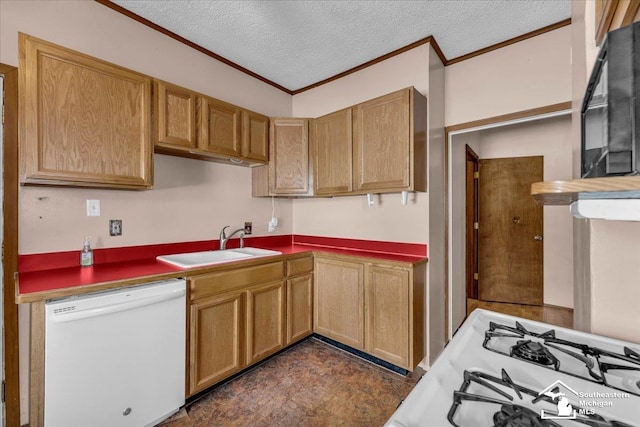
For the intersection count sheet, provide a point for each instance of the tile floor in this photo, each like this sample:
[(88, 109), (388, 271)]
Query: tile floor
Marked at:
[(310, 384)]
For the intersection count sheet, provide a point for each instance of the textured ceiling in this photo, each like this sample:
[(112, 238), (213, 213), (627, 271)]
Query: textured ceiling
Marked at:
[(298, 43)]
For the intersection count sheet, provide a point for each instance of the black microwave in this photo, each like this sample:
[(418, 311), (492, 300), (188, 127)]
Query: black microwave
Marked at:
[(611, 108)]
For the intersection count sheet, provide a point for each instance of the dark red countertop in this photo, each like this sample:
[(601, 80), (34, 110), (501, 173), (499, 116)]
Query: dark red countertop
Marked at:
[(50, 275)]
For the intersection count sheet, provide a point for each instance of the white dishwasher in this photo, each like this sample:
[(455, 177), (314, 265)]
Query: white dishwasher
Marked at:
[(115, 358)]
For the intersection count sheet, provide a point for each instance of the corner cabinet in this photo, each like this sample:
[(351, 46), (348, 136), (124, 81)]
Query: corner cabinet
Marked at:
[(288, 172), (372, 306), (378, 146), (84, 122), (332, 148), (339, 300), (390, 143)]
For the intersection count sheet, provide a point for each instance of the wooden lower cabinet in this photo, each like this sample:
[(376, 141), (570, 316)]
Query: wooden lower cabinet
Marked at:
[(299, 307), (377, 308), (387, 313), (216, 339), (339, 301), (265, 321)]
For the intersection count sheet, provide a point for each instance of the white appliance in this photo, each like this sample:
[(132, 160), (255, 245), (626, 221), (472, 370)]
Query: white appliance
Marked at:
[(501, 370), (115, 358)]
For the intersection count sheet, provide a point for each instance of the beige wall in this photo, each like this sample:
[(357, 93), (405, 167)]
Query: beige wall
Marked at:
[(615, 275), (351, 217), (532, 73), (205, 196)]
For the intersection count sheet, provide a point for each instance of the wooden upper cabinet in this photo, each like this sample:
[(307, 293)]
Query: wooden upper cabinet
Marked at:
[(174, 116), (219, 127), (190, 124), (84, 122), (288, 172), (255, 136), (614, 14), (332, 147), (390, 143)]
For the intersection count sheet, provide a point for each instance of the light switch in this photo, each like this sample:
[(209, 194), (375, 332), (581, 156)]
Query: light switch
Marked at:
[(93, 207)]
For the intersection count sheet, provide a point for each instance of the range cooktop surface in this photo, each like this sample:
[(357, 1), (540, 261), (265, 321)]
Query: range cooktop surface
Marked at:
[(501, 370)]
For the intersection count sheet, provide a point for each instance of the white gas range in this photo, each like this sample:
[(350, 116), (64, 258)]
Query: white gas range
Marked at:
[(500, 370)]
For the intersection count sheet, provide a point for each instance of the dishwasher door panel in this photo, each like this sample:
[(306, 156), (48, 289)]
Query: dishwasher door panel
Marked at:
[(116, 359)]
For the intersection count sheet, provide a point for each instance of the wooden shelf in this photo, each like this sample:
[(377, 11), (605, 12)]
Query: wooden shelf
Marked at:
[(567, 192)]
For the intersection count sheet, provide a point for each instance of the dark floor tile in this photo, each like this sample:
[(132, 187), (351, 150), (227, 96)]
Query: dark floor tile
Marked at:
[(310, 384)]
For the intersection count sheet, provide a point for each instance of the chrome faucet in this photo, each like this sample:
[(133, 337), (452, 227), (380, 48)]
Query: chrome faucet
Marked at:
[(224, 238)]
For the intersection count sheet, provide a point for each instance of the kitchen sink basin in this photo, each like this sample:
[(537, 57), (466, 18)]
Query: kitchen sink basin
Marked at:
[(200, 259)]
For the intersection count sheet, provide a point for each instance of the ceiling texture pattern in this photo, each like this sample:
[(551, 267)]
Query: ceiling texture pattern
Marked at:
[(298, 43)]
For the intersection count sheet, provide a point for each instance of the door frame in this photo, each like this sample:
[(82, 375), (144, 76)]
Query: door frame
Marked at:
[(547, 112), (472, 208), (10, 241)]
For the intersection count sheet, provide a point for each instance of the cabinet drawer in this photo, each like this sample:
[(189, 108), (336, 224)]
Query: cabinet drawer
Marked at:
[(213, 283), (299, 266)]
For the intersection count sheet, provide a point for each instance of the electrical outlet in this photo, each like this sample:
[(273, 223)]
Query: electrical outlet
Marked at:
[(93, 207), (247, 227), (115, 227), (273, 224)]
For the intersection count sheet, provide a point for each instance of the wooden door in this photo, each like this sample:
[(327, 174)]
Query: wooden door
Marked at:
[(175, 116), (220, 125), (265, 321), (299, 307), (510, 241), (339, 301), (83, 121), (471, 222), (387, 314), (332, 143), (216, 339), (289, 157), (382, 140), (255, 136)]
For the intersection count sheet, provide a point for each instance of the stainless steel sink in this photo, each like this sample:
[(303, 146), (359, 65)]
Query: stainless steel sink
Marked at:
[(200, 259)]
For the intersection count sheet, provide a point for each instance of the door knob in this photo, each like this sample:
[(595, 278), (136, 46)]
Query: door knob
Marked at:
[(537, 237)]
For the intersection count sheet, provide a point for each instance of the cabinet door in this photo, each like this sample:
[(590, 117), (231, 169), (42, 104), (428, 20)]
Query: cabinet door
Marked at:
[(339, 301), (219, 125), (299, 308), (387, 314), (289, 157), (382, 143), (255, 136), (216, 339), (175, 116), (83, 121), (265, 321), (332, 144)]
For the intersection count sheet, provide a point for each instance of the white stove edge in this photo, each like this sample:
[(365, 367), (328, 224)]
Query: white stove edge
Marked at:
[(430, 400)]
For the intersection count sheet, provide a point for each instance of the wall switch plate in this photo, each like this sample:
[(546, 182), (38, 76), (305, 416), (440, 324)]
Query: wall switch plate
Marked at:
[(93, 207), (115, 227), (248, 226)]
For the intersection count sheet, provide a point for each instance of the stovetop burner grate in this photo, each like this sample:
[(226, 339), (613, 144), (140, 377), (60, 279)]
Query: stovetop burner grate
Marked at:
[(507, 404), (617, 370)]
